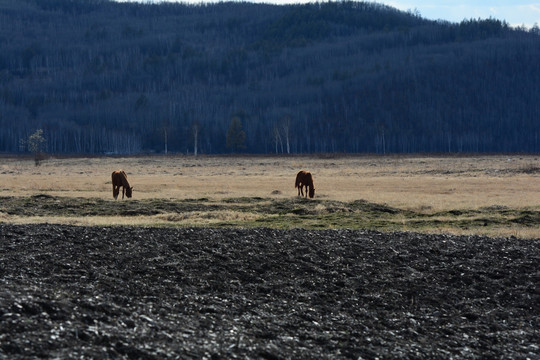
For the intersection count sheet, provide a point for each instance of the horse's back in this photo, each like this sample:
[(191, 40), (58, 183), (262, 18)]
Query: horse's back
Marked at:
[(117, 177), (302, 175)]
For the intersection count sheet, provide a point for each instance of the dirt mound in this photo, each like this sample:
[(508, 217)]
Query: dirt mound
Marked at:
[(74, 292)]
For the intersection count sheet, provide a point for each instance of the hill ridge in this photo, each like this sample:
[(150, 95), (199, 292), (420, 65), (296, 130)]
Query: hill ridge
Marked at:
[(101, 77)]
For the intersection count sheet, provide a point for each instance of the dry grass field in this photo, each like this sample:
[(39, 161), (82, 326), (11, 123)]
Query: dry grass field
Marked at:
[(459, 194)]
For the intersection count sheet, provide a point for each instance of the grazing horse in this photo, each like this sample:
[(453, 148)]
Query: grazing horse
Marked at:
[(304, 178), (119, 179)]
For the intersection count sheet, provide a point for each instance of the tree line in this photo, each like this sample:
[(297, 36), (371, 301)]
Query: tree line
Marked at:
[(100, 77)]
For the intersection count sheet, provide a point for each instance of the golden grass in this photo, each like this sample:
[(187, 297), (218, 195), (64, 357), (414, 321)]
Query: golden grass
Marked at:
[(437, 183), (194, 218), (515, 231), (427, 184)]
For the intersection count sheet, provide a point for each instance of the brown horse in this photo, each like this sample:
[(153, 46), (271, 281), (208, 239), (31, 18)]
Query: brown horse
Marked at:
[(304, 179), (119, 179)]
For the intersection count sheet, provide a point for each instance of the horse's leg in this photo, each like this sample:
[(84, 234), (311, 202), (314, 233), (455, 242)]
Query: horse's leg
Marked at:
[(301, 187), (123, 192)]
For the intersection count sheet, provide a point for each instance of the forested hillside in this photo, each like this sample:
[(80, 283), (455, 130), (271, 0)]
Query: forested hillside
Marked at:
[(104, 77)]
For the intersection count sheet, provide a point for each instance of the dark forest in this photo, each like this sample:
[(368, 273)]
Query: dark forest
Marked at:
[(100, 77)]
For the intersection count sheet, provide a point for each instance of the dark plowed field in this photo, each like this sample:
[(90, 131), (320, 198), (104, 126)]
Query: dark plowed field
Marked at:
[(98, 292)]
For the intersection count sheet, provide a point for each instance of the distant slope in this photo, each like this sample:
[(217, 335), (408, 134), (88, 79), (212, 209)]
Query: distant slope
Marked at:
[(105, 77)]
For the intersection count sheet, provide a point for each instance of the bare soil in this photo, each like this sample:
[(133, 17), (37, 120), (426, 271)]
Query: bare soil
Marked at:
[(135, 292)]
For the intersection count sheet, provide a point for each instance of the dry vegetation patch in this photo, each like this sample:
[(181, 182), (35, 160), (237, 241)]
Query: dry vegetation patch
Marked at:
[(495, 195)]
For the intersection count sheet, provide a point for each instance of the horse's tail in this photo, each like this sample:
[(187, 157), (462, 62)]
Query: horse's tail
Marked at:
[(115, 190), (298, 179)]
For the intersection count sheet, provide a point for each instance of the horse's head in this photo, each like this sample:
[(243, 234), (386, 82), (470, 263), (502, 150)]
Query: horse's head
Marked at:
[(311, 191), (129, 191)]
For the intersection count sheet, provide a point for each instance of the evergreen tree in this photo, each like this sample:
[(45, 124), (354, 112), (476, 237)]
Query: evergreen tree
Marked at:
[(236, 137)]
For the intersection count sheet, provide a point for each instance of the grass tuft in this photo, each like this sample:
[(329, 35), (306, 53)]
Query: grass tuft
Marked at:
[(285, 213)]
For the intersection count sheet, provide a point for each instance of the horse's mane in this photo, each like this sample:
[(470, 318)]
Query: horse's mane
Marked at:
[(309, 179), (309, 182), (123, 177), (125, 183)]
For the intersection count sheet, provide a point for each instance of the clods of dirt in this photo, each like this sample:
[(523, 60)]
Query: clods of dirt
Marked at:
[(121, 292)]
